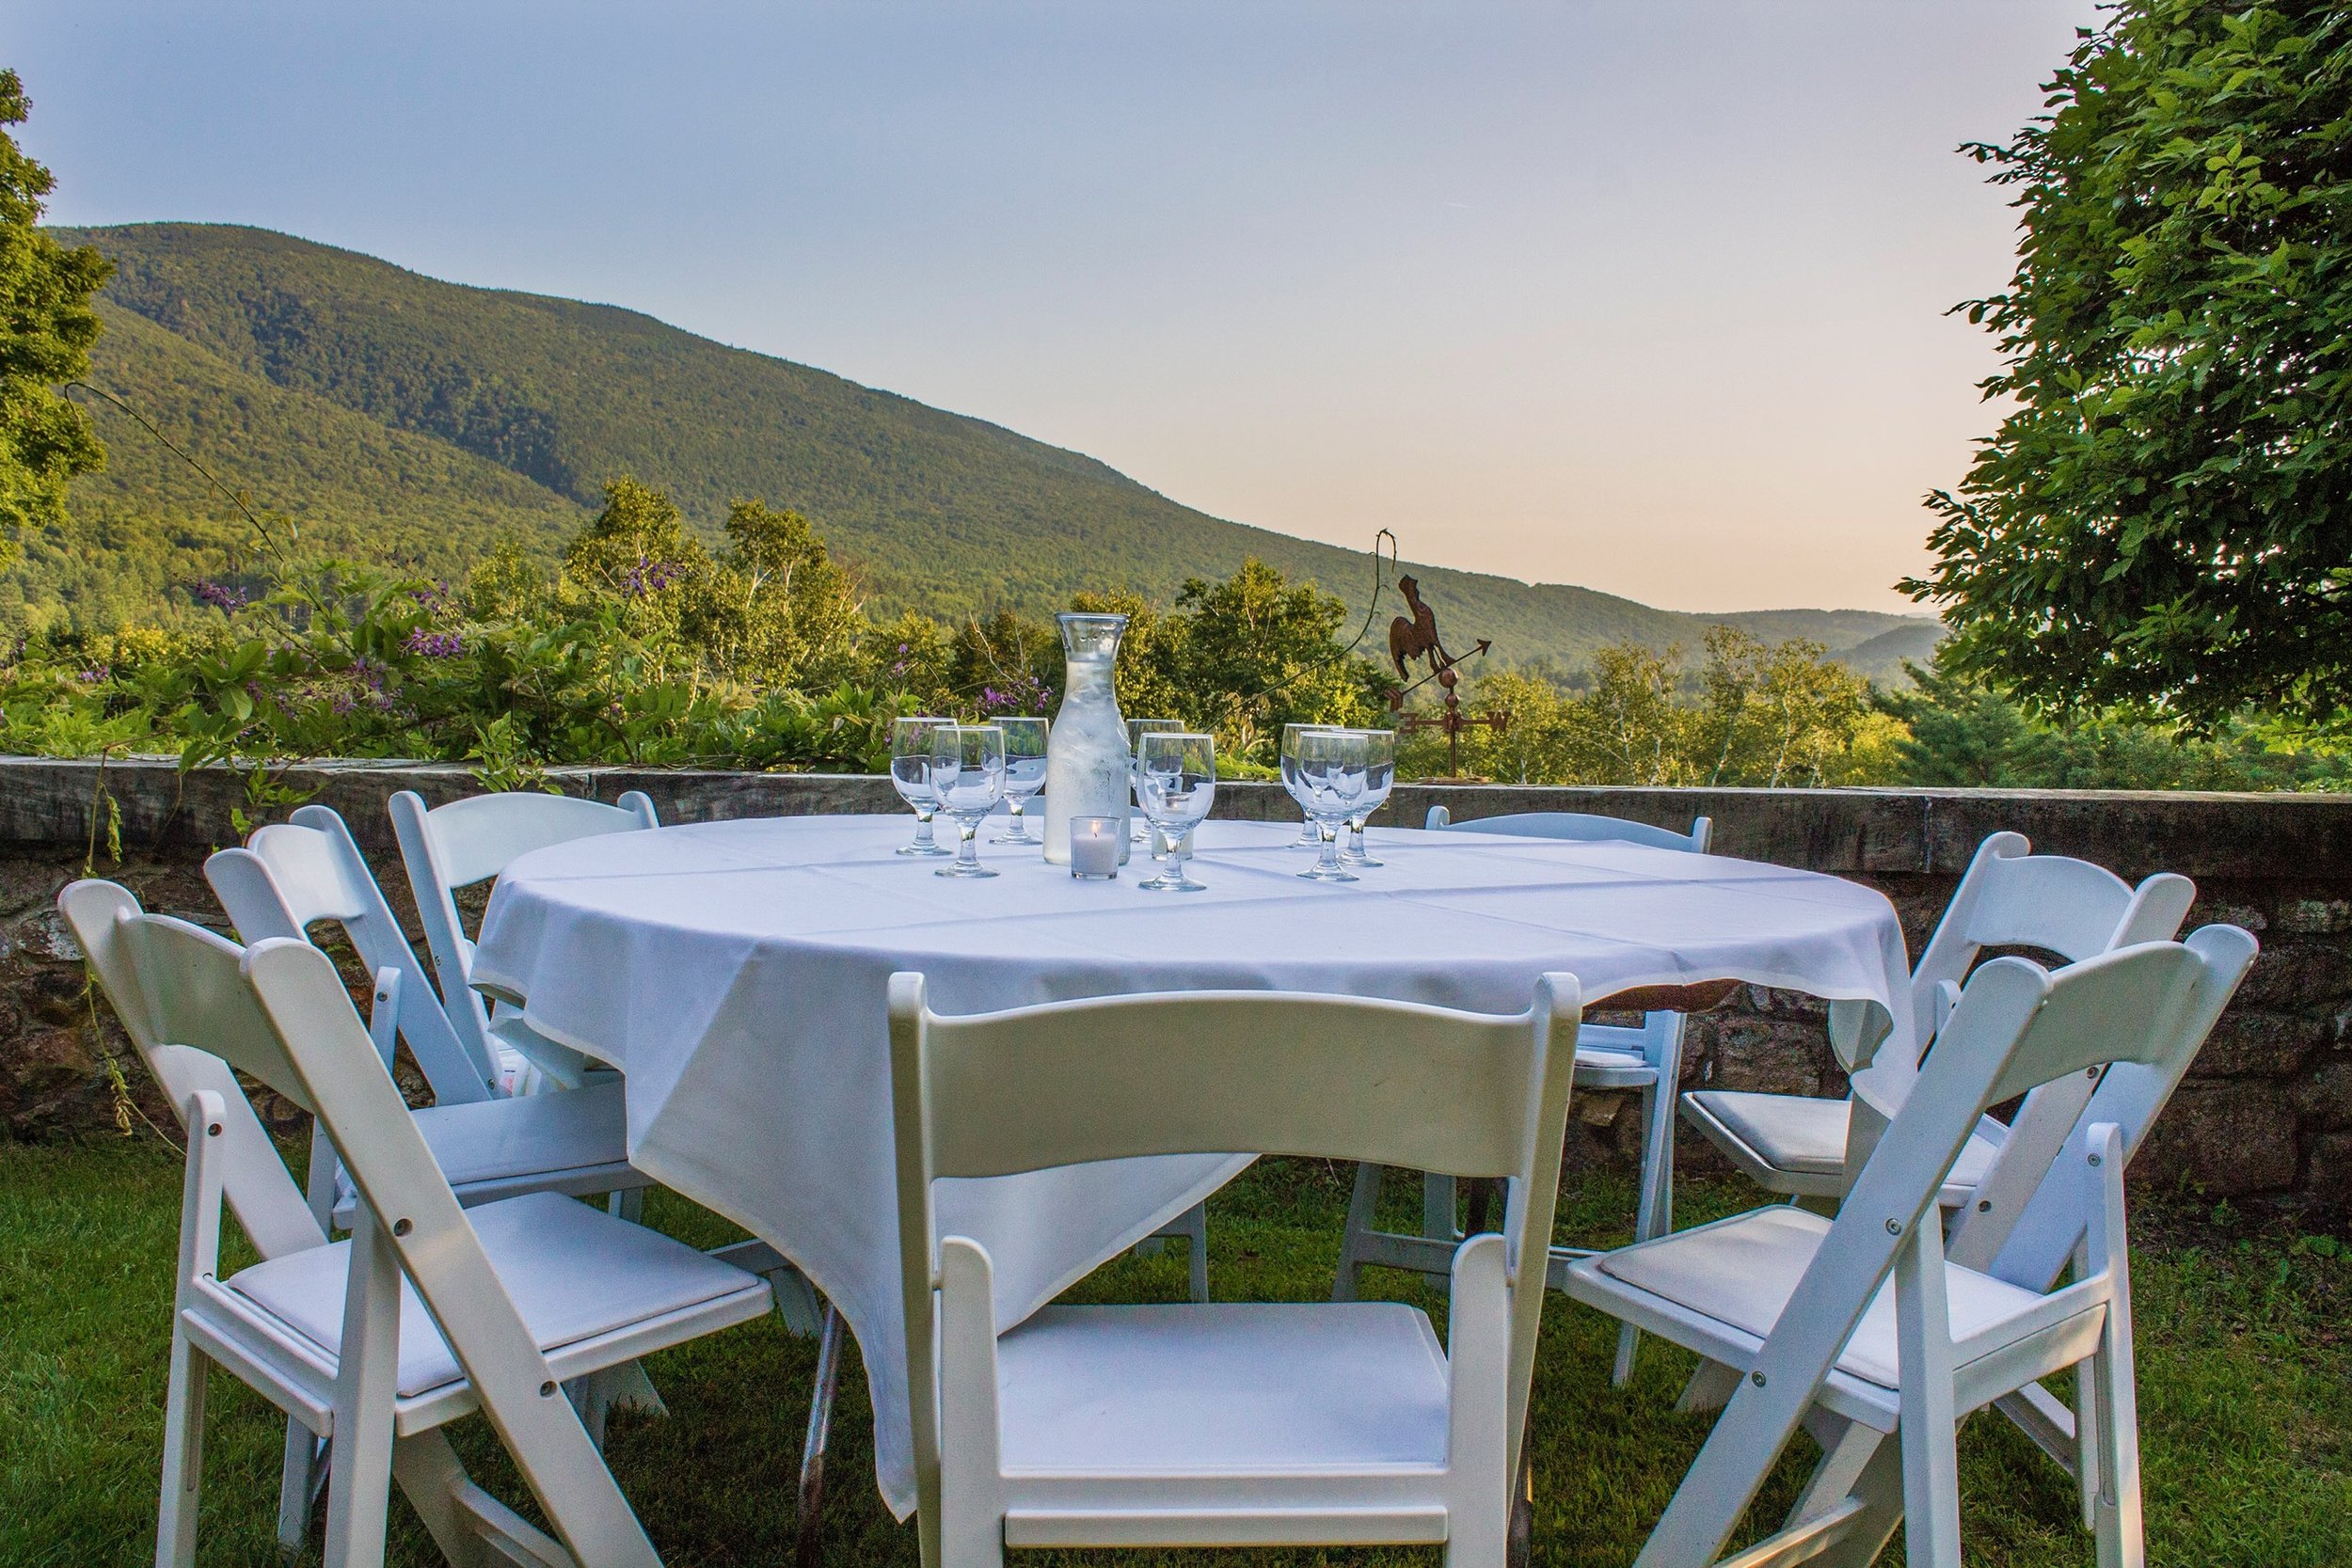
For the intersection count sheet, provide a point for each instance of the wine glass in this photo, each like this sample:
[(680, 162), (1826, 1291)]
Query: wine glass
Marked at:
[(1136, 730), (1306, 839), (1331, 768), (1024, 773), (1379, 773), (911, 773), (968, 774), (1176, 781)]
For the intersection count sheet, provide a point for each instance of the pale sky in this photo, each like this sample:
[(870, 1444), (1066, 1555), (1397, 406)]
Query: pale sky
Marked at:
[(1646, 295)]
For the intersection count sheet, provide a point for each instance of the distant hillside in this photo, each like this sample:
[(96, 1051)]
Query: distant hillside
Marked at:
[(148, 524), (467, 411)]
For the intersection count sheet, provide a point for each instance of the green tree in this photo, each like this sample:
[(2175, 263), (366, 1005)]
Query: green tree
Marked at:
[(46, 329), (2165, 520), (1255, 652)]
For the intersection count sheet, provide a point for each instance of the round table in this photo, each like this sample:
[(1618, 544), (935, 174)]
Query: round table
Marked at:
[(737, 973)]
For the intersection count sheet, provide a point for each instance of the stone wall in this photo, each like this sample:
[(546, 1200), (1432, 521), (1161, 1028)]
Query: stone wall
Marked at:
[(2267, 1116)]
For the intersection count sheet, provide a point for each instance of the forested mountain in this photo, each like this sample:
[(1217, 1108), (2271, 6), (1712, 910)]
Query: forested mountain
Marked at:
[(406, 419)]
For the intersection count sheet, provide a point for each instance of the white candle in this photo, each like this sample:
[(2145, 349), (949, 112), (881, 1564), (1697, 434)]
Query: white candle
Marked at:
[(1094, 845)]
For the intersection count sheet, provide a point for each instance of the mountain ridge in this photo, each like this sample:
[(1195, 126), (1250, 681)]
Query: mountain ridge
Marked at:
[(942, 511)]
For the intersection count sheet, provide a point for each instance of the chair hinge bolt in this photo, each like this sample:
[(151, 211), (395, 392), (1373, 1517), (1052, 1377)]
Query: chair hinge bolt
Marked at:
[(1894, 1227), (1757, 1377)]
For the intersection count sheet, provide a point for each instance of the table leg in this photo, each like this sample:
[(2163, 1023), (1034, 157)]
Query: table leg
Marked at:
[(1520, 1540), (808, 1550), (1479, 1200)]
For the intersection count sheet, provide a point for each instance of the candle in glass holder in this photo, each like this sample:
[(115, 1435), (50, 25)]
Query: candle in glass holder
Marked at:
[(1094, 845)]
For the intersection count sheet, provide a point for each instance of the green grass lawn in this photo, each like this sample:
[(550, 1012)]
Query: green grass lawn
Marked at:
[(2246, 1397)]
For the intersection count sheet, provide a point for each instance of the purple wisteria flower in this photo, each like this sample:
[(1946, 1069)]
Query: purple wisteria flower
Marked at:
[(225, 597), (95, 673), (435, 644), (648, 576)]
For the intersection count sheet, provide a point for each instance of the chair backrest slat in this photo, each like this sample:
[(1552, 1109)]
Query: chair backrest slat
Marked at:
[(446, 848), (2011, 897), (166, 982), (1579, 826), (2027, 1221), (474, 839), (1386, 1082), (293, 874)]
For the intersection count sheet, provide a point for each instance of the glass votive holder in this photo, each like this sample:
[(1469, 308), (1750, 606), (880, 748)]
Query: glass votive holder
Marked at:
[(1094, 845)]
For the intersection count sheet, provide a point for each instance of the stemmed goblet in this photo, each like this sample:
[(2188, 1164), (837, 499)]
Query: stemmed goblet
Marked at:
[(1136, 730), (911, 774), (968, 774), (1176, 781), (1379, 773), (1331, 768), (1024, 773), (1288, 760)]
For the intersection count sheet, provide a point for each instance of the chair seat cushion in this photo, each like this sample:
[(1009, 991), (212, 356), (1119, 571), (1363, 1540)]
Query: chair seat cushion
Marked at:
[(573, 1273), (1806, 1136), (1229, 1388), (1742, 1271), (530, 1134)]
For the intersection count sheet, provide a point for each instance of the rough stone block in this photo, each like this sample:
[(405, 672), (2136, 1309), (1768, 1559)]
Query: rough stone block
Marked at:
[(2295, 973), (2314, 917), (1761, 1054), (2270, 1045), (2323, 1100), (2232, 1138)]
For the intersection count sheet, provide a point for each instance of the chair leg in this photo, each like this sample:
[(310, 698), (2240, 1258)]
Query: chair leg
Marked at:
[(2088, 1473), (1199, 1219), (359, 1492), (1436, 1207), (1880, 1490), (300, 1475), (1363, 1207), (183, 1456), (809, 1545), (1518, 1541), (1653, 1213), (2117, 1523)]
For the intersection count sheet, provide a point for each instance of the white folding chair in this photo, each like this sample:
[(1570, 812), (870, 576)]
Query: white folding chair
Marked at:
[(454, 846), (427, 1313), (1231, 1424), (291, 874), (1872, 1326), (1192, 1229), (1608, 1056), (1803, 1147)]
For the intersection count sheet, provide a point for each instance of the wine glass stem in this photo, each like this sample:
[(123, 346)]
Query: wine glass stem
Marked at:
[(922, 825), (969, 841), (1329, 833)]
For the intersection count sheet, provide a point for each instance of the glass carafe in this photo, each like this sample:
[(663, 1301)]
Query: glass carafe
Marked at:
[(1086, 754)]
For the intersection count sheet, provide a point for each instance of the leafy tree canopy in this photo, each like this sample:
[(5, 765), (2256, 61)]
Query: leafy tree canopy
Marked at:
[(2164, 522), (46, 329)]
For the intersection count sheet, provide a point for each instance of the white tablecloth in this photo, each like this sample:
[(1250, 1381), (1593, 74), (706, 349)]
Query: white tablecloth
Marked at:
[(737, 973)]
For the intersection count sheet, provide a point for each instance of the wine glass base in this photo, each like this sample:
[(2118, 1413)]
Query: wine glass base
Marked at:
[(1322, 874), (933, 850), (960, 869), (1362, 862), (1162, 884), (1018, 834)]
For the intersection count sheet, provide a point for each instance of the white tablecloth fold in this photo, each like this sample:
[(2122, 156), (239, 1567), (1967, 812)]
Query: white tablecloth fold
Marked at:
[(737, 973)]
